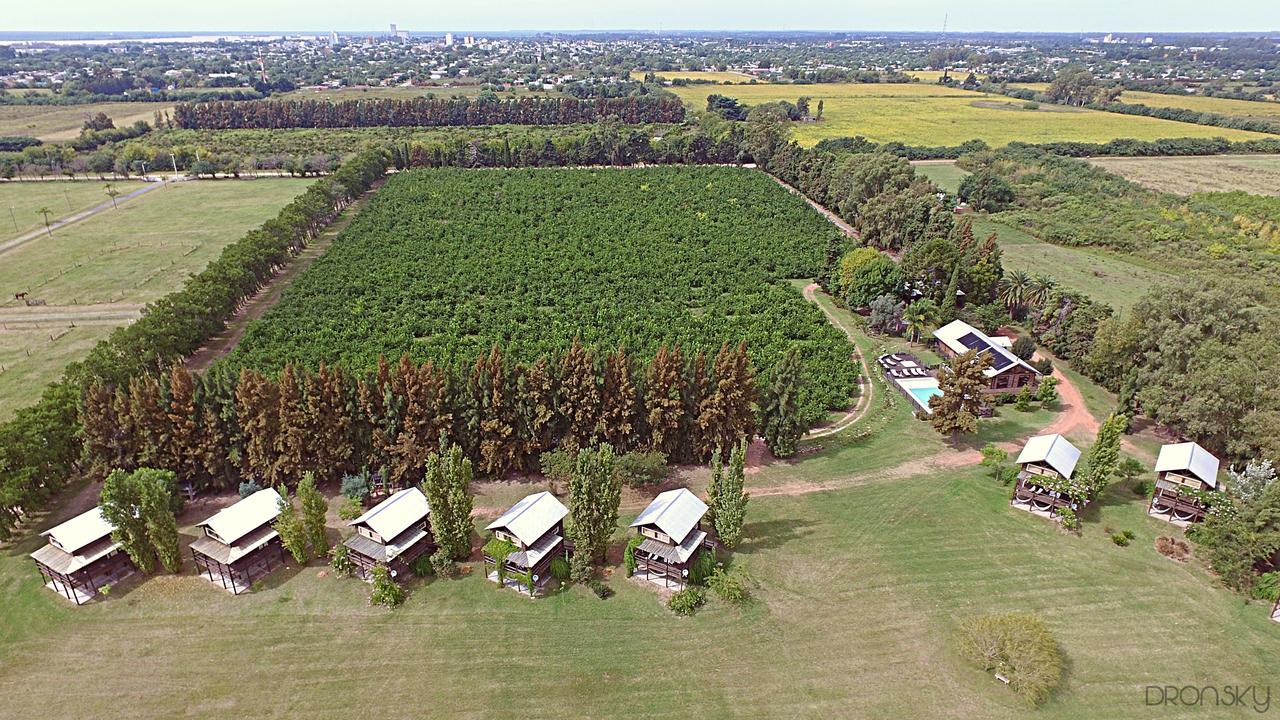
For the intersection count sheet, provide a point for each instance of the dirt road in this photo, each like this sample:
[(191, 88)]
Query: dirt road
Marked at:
[(98, 314), (8, 245)]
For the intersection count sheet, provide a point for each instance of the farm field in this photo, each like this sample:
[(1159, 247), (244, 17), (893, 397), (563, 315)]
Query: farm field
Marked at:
[(928, 114), (63, 122), (718, 77), (1105, 276), (1200, 103), (442, 264), (62, 197), (943, 173), (119, 259), (1255, 174)]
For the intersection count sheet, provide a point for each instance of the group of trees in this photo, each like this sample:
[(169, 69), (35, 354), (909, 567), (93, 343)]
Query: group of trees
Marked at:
[(140, 505), (424, 111), (303, 535), (217, 430)]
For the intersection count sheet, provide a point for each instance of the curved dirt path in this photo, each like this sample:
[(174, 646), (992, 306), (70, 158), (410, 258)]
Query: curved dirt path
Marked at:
[(866, 388)]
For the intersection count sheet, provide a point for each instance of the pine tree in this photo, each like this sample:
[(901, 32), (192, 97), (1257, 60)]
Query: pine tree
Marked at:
[(595, 492), (289, 524), (150, 422), (694, 445), (257, 410), (314, 509), (962, 383), (665, 402), (780, 413), (579, 395), (98, 428), (495, 409), (183, 429), (126, 435), (949, 299), (618, 415), (731, 500), (727, 413), (447, 486), (1104, 456), (293, 440), (424, 423), (535, 410), (213, 450)]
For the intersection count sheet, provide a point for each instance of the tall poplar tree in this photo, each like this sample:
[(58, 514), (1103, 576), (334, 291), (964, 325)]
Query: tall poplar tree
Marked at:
[(1104, 456), (595, 492), (447, 485), (289, 524), (731, 500), (780, 411), (314, 508), (139, 505)]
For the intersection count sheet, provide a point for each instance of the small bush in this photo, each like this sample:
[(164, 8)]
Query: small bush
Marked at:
[(641, 469), (443, 564), (560, 569), (249, 487), (1266, 587), (356, 487), (340, 559), (422, 567), (1019, 648), (1173, 548), (1023, 402), (386, 592), (1070, 521), (557, 465), (350, 509), (1031, 105), (580, 570), (730, 585), (687, 601), (602, 591), (629, 555), (1129, 534), (1145, 488), (1120, 539), (704, 563), (1044, 366)]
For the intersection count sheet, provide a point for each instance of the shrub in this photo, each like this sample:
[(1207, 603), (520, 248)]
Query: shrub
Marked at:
[(560, 569), (557, 465), (443, 564), (351, 509), (1044, 366), (1267, 587), (421, 566), (1173, 548), (248, 488), (602, 591), (629, 555), (1070, 521), (340, 559), (356, 487), (730, 585), (1024, 347), (386, 592), (1018, 648), (687, 601), (1023, 401), (1120, 539), (1145, 488), (704, 563), (580, 570), (641, 469)]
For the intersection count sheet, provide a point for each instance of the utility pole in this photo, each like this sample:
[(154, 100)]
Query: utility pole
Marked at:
[(68, 197), (14, 218)]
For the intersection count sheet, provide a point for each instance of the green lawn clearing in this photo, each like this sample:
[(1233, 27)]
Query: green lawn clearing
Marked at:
[(20, 201), (63, 122), (1255, 174)]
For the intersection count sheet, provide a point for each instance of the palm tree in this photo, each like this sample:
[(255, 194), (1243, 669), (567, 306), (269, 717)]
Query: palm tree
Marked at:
[(46, 212), (1012, 289), (918, 316), (112, 192), (1039, 288)]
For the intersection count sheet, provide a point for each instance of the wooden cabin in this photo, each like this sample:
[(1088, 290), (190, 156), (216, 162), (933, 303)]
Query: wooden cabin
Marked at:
[(1007, 373), (239, 544), (1046, 461), (535, 525), (81, 557), (1183, 469), (392, 534), (673, 535)]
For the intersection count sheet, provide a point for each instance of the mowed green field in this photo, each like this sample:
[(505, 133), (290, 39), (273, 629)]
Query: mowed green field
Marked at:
[(19, 201), (117, 260), (63, 122), (1255, 174), (1107, 277), (943, 173), (928, 114)]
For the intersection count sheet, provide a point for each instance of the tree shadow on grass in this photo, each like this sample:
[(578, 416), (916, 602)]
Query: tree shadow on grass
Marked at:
[(773, 534)]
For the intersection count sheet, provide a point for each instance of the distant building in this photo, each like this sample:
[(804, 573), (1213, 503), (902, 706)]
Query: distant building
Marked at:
[(468, 41), (448, 39)]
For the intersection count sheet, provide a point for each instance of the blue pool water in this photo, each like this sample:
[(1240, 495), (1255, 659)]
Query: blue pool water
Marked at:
[(922, 394)]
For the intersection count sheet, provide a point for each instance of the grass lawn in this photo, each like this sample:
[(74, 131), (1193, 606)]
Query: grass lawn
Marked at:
[(130, 256), (859, 592), (1256, 174), (62, 197), (1265, 110), (63, 122), (929, 114), (717, 77), (943, 173), (1108, 277)]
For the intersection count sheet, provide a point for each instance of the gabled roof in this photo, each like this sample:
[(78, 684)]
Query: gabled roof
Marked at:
[(1189, 457), (394, 515), (234, 522), (532, 517), (674, 512), (81, 530), (1053, 450), (961, 337)]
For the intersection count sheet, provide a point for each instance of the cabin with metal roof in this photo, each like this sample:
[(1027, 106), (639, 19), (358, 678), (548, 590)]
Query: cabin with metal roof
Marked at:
[(239, 544), (672, 530), (535, 526), (1046, 466), (1007, 372), (81, 557), (1184, 472), (392, 534)]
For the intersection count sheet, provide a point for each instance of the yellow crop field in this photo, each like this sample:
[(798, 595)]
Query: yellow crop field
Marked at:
[(929, 114), (719, 77), (1200, 103), (63, 122)]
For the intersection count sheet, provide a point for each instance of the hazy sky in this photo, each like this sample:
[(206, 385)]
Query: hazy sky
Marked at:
[(481, 15)]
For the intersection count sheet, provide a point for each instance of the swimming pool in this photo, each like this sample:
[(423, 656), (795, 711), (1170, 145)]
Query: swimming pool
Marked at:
[(920, 390)]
